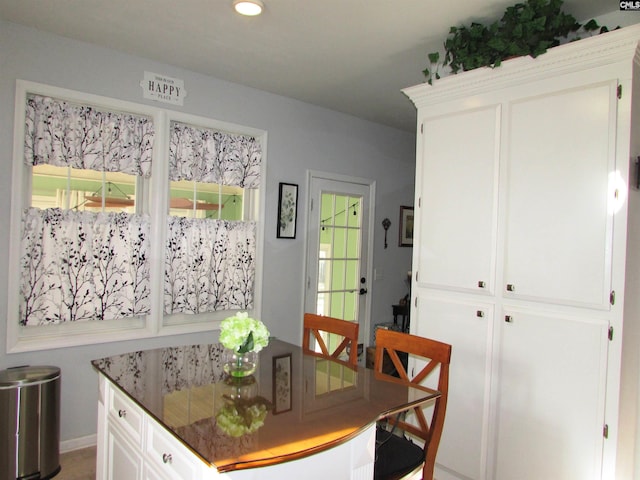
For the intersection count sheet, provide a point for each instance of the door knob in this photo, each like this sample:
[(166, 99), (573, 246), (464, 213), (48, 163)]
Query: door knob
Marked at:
[(363, 291)]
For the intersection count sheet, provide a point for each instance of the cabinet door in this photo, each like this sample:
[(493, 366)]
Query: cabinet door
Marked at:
[(168, 455), (550, 397), (123, 459), (468, 327), (457, 180), (560, 201)]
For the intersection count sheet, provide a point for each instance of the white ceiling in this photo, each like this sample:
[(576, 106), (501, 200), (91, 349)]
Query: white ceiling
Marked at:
[(352, 56)]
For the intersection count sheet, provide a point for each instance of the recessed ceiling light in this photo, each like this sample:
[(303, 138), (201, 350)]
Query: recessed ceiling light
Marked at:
[(248, 7)]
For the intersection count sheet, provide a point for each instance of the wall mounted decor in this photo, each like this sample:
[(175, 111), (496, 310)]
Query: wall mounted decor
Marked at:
[(287, 210), (386, 223), (406, 226)]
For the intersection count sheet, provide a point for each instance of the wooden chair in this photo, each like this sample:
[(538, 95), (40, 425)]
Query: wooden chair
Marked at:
[(315, 324), (396, 456)]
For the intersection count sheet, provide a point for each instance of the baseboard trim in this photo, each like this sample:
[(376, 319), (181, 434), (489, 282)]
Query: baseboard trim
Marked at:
[(78, 443)]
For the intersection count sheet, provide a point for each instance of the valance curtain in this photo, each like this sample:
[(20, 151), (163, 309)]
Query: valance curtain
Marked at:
[(210, 264), (78, 266), (67, 135), (83, 266), (210, 156)]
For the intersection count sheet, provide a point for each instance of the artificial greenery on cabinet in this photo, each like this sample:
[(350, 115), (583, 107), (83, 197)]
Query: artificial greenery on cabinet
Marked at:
[(528, 28)]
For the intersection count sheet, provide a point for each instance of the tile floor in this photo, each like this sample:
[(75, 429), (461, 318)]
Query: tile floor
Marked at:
[(78, 465)]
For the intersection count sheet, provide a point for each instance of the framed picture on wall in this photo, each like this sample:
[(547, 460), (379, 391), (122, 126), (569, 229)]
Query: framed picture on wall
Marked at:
[(282, 384), (287, 210), (406, 226)]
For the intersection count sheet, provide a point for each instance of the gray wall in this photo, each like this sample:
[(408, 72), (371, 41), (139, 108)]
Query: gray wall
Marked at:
[(300, 137)]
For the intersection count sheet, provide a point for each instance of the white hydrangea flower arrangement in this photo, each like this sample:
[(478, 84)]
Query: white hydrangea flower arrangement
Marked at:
[(241, 419), (243, 334)]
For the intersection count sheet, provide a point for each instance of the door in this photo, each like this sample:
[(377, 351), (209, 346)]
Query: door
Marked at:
[(468, 326), (123, 460), (550, 393), (338, 249), (561, 195), (457, 182)]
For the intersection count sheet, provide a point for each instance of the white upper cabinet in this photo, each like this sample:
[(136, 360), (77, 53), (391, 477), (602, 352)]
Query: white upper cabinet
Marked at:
[(560, 161), (457, 173)]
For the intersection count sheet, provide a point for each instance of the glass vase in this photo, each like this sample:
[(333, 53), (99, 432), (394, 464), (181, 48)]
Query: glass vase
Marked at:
[(239, 365)]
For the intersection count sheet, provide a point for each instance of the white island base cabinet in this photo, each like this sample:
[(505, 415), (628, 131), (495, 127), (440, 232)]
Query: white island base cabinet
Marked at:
[(134, 446)]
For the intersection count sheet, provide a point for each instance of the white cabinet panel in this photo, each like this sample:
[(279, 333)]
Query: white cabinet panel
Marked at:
[(124, 413), (468, 328), (124, 460), (168, 455), (551, 397), (561, 158), (458, 177)]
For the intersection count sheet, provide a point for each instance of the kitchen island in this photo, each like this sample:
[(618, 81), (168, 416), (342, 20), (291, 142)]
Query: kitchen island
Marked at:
[(173, 413)]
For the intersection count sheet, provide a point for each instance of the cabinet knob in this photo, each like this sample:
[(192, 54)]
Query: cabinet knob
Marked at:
[(510, 287), (481, 284), (479, 314), (508, 318), (167, 458), (122, 413)]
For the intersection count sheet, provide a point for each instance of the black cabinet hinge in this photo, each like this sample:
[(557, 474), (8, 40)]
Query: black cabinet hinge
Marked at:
[(619, 92), (610, 335), (605, 431), (612, 297)]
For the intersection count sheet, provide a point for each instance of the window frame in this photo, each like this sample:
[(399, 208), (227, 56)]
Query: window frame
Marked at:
[(155, 195)]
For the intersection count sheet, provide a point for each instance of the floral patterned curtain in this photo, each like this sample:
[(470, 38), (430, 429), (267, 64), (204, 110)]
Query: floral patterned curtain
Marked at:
[(78, 266), (64, 134), (210, 156), (209, 265), (83, 266)]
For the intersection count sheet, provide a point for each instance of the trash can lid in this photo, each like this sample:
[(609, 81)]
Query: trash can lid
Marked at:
[(27, 375)]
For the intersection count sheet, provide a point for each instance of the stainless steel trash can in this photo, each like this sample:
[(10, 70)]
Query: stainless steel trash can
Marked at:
[(29, 423)]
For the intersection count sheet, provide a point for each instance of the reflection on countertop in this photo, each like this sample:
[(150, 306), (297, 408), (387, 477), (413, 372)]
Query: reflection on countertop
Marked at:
[(292, 406)]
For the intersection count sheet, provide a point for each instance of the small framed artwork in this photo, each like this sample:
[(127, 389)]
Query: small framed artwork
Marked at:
[(287, 210), (406, 226), (282, 384)]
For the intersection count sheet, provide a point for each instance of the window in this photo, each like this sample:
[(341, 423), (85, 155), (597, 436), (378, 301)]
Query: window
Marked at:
[(205, 200), (97, 187)]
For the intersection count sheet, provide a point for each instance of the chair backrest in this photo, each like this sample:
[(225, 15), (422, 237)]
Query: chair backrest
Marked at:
[(315, 324), (437, 354)]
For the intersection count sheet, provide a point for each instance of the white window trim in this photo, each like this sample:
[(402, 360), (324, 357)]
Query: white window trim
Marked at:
[(22, 339)]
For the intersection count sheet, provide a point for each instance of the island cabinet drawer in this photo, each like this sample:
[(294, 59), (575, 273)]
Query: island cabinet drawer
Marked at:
[(124, 413), (169, 456)]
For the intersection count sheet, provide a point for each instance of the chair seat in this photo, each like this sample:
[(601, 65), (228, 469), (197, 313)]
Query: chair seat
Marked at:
[(395, 456)]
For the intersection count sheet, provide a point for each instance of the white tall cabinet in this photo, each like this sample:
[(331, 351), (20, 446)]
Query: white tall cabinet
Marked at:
[(526, 258)]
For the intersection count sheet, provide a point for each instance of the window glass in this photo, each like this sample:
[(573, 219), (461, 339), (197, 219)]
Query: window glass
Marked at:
[(205, 200), (78, 189)]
